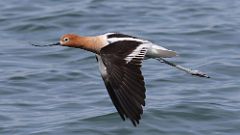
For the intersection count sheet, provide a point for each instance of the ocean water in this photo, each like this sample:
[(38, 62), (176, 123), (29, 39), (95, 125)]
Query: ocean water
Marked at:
[(59, 91)]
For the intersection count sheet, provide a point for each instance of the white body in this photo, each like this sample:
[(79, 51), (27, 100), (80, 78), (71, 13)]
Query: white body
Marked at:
[(154, 51)]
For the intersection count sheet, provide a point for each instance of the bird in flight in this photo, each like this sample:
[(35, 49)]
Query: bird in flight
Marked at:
[(120, 58)]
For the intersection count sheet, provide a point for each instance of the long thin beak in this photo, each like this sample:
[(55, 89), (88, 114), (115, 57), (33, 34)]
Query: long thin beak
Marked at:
[(55, 44)]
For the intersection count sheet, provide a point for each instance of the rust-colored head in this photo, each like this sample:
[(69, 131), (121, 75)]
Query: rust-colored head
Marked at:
[(92, 44), (71, 40)]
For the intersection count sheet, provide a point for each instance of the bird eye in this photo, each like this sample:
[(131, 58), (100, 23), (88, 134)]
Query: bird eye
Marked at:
[(66, 39)]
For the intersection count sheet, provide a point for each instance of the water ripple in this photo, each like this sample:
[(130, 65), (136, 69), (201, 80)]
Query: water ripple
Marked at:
[(59, 90)]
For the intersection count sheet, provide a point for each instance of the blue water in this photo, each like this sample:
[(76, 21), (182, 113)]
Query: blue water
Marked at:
[(59, 91)]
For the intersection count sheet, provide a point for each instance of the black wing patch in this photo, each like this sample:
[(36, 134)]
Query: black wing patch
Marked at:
[(124, 80), (119, 35)]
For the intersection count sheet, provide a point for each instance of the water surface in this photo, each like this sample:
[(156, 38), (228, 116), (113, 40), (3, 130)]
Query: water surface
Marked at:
[(58, 90)]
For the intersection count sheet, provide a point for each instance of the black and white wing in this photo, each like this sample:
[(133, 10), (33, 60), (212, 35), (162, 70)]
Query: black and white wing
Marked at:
[(120, 69), (154, 51)]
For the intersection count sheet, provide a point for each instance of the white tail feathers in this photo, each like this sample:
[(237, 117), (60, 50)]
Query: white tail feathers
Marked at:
[(156, 51), (166, 53)]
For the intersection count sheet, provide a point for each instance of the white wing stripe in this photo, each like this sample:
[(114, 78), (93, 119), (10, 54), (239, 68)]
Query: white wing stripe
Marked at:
[(112, 40), (138, 53)]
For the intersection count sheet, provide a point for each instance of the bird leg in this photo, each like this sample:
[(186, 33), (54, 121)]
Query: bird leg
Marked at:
[(187, 70)]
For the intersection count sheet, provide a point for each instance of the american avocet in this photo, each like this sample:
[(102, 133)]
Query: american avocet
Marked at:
[(120, 57)]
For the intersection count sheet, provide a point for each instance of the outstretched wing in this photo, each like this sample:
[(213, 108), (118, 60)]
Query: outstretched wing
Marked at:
[(123, 77)]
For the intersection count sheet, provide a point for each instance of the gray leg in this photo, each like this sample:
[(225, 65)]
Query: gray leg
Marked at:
[(187, 70)]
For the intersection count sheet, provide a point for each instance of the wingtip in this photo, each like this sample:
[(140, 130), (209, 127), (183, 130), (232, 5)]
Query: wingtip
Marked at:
[(135, 123)]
